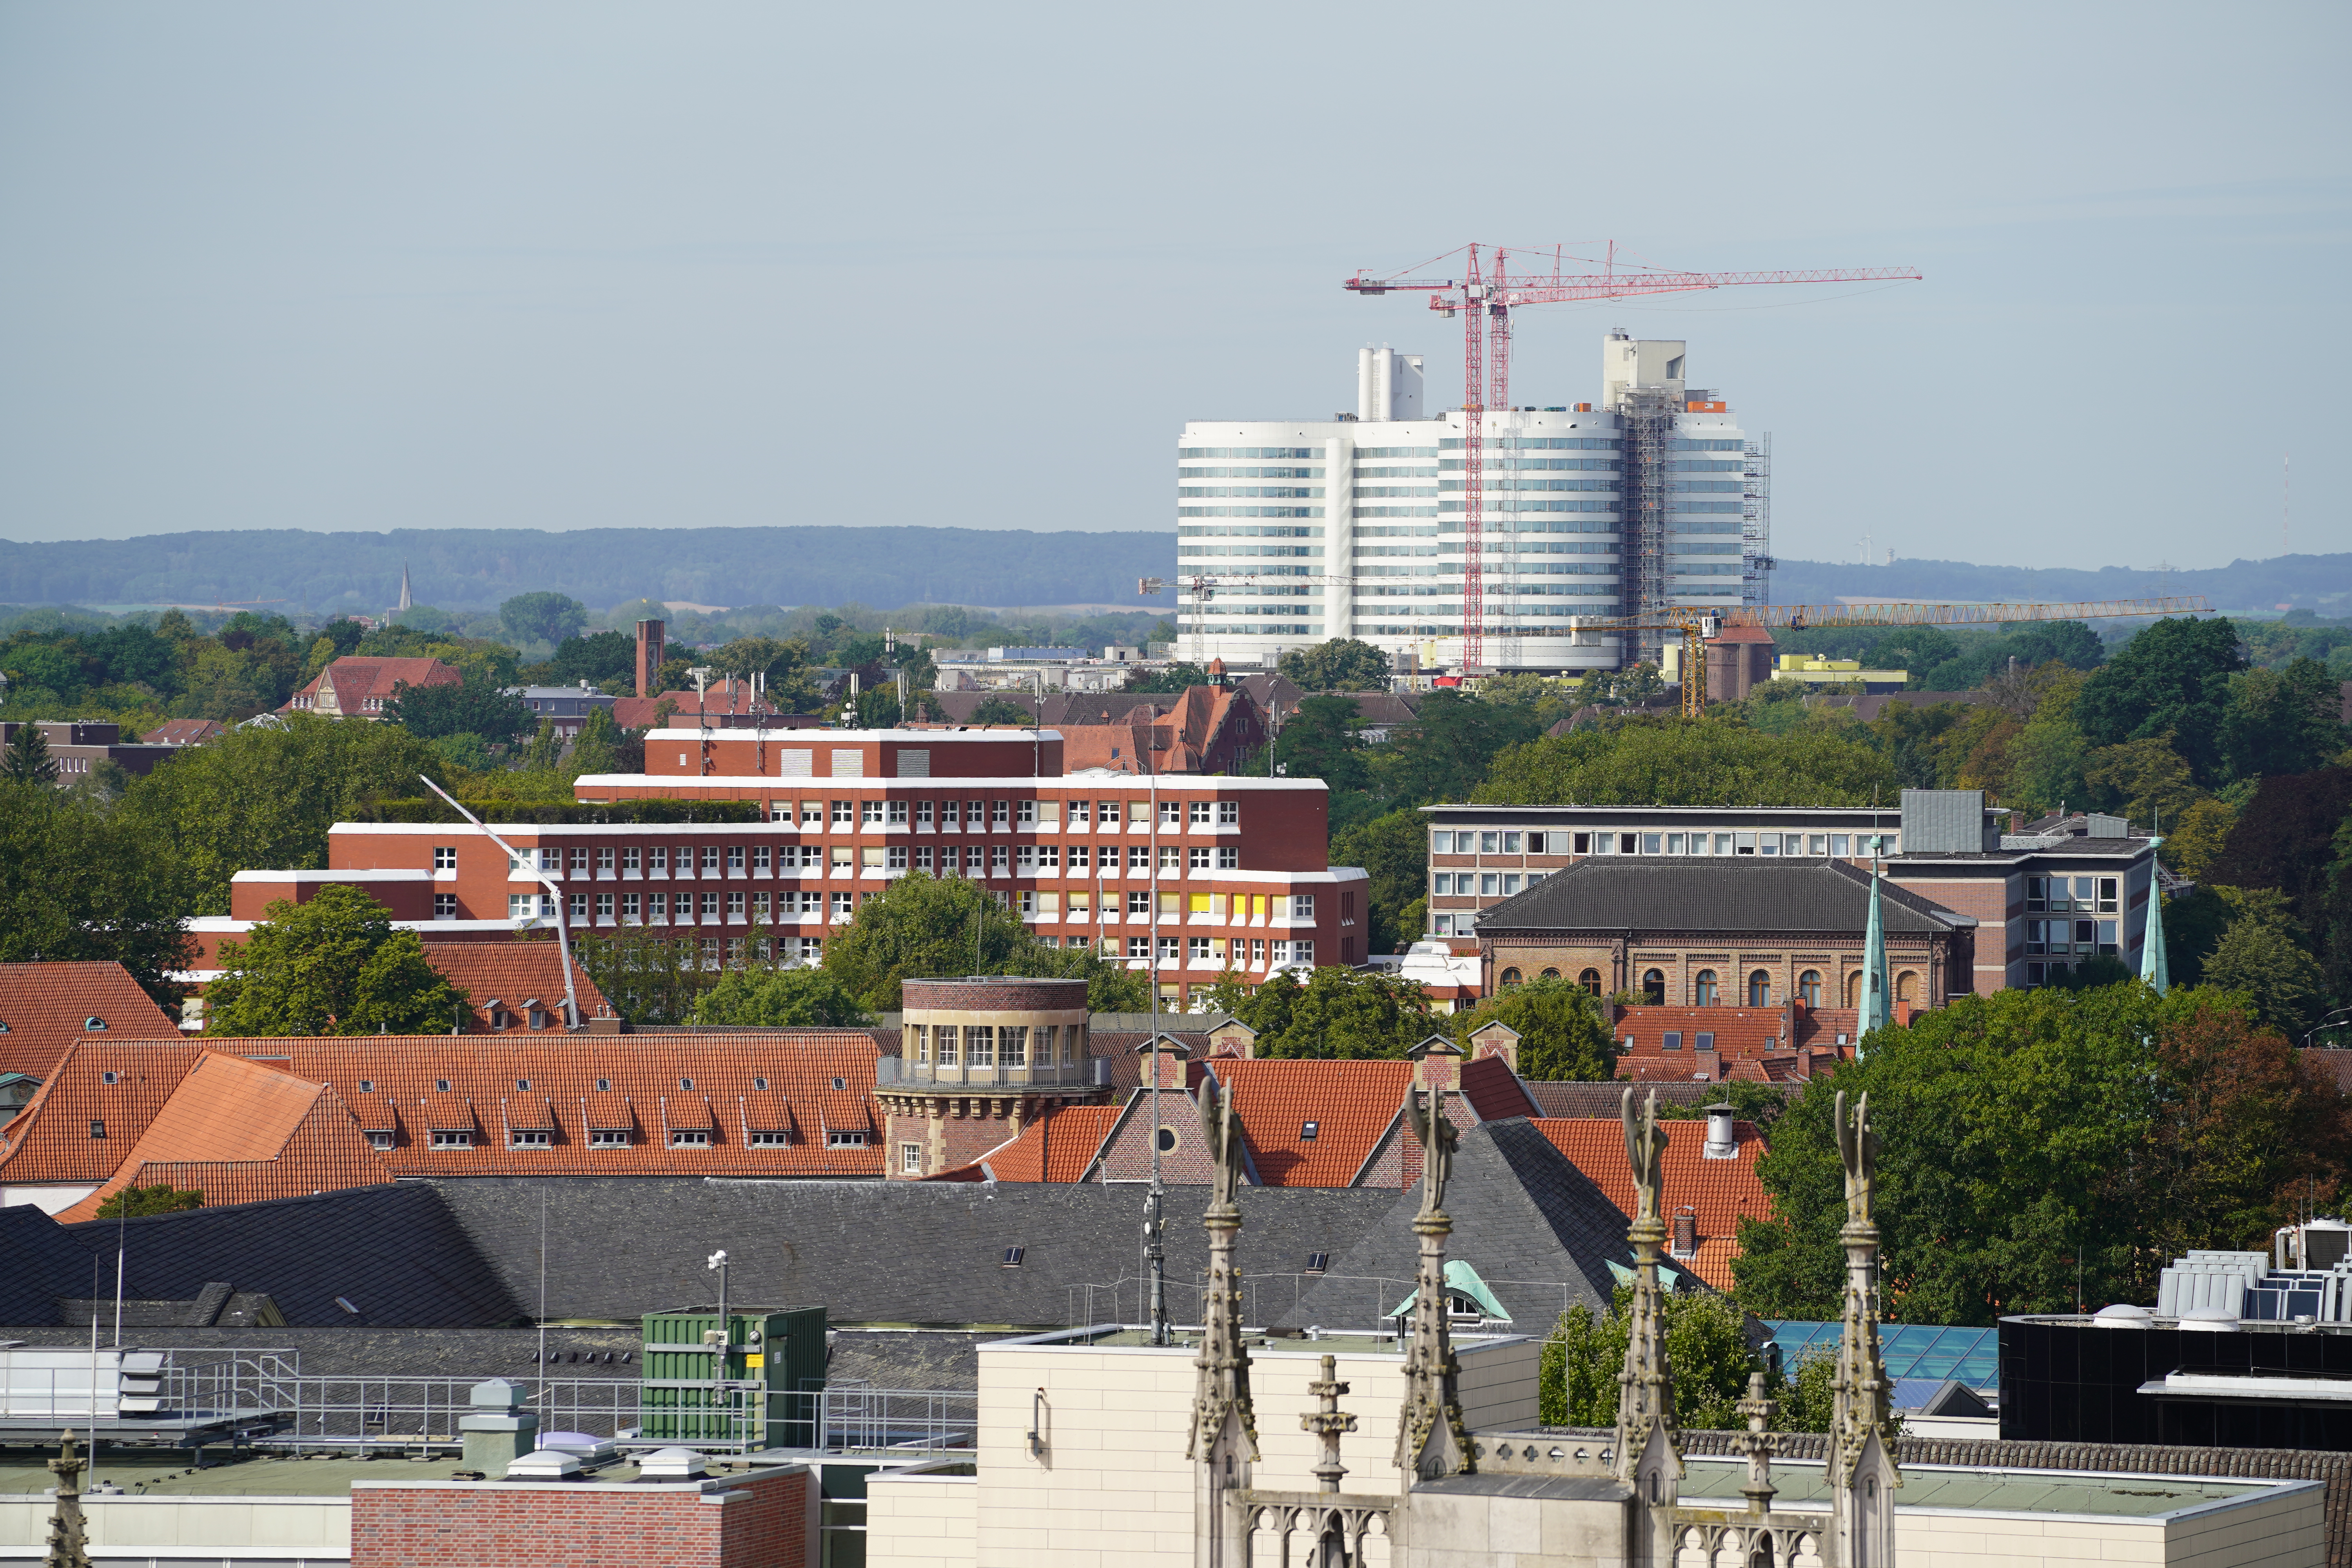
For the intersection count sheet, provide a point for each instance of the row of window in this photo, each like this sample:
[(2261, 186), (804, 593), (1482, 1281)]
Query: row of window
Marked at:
[(1365, 454), (2056, 895), (994, 1044), (1705, 466), (1705, 486), (2077, 936), (1536, 465), (1707, 992), (1376, 492), (1262, 550), (1249, 454), (1542, 444), (1705, 444), (793, 905), (1508, 504), (1396, 473), (1506, 841), (454, 1137), (1397, 511), (1272, 492), (1246, 531), (1249, 473), (1249, 511), (1492, 486)]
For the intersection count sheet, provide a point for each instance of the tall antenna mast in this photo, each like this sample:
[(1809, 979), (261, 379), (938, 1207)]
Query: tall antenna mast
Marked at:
[(1154, 1252)]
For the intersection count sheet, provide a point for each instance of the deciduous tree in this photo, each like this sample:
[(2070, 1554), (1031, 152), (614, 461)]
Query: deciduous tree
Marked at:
[(1343, 663), (2172, 678), (780, 998), (332, 965), (1562, 1031)]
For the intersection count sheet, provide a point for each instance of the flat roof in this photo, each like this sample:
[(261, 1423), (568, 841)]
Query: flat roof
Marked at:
[(1186, 1339), (2069, 1494), (1087, 780)]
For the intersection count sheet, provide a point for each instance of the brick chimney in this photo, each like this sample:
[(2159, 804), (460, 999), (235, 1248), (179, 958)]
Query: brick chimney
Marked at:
[(1165, 1058), (652, 648)]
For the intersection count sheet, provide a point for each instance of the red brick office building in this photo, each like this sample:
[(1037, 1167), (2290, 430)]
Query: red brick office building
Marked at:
[(1193, 874)]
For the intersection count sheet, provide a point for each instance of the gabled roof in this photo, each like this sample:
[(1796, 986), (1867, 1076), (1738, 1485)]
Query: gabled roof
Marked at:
[(357, 685), (1493, 1091), (45, 1261), (1351, 1103), (239, 1132), (183, 731), (1540, 1234), (46, 1006), (1059, 1145), (1718, 1191), (514, 973), (1682, 894), (393, 1083)]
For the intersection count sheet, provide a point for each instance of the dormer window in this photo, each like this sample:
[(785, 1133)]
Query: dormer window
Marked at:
[(1012, 1256), (608, 1137), (452, 1139), (760, 1083), (522, 1083), (442, 1084), (530, 1138), (98, 1128), (367, 1086), (93, 1022), (686, 1083), (381, 1142), (843, 1140), (771, 1140), (1317, 1262), (689, 1138), (604, 1085)]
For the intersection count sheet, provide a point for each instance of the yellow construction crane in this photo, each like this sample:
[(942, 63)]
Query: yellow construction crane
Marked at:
[(1697, 625)]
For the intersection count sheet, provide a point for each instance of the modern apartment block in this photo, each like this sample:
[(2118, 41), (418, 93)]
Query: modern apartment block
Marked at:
[(2043, 900), (1189, 875), (1298, 531)]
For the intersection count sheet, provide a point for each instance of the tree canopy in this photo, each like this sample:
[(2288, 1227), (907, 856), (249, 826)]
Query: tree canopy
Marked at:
[(266, 797), (1675, 762), (332, 965), (594, 657), (921, 927), (1563, 1032), (81, 881), (477, 705), (135, 1201), (2171, 679), (1349, 1013), (27, 760), (542, 617), (1343, 663), (780, 998), (2031, 1134)]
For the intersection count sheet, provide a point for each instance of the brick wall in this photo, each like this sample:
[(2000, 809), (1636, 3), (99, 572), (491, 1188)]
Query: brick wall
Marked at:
[(996, 993), (757, 1521)]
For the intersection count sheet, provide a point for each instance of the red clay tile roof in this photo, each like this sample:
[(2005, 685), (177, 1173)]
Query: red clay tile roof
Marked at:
[(240, 1132), (1493, 1091), (362, 685), (1738, 1031), (47, 1006), (1058, 1146), (1719, 1191), (393, 1083), (1120, 748), (514, 974), (1351, 1104)]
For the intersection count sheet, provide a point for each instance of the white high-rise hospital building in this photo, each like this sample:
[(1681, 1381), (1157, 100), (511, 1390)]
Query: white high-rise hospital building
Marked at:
[(1353, 527)]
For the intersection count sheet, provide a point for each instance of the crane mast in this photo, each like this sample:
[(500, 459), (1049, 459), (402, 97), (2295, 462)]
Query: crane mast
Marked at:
[(1484, 300)]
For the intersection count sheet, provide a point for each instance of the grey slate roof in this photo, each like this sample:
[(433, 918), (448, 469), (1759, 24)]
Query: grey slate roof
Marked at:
[(1536, 1229), (1735, 894), (395, 1252), (878, 1252), (44, 1261), (1563, 1098)]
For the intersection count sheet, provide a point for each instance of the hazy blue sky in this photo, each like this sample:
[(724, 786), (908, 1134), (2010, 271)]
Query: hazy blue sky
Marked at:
[(338, 266)]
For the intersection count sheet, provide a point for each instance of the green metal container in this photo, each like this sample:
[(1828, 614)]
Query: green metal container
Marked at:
[(759, 1385)]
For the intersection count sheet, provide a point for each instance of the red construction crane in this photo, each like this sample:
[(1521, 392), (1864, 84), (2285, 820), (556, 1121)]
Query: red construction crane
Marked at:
[(1485, 304)]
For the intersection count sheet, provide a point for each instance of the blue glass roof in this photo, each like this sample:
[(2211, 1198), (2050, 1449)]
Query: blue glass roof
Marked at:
[(1929, 1351)]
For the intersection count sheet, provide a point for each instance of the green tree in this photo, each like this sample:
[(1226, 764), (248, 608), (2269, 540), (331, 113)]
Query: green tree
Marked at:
[(332, 965), (26, 759), (137, 1203), (1706, 1344), (1348, 1013), (2285, 721), (996, 710), (1319, 742), (2261, 956), (79, 881), (2172, 678), (542, 617), (922, 928), (2031, 1134), (2051, 754), (1394, 851), (1343, 663), (473, 706), (266, 797), (1447, 751), (2144, 780), (780, 998), (594, 657), (2193, 839), (1178, 675), (1563, 1032), (597, 748), (1675, 762)]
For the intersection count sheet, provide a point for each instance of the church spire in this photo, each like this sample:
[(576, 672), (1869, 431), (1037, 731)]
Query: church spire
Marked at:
[(2153, 969), (1874, 957), (406, 601)]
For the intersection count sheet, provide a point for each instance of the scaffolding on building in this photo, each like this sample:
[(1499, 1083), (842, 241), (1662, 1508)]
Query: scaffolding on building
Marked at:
[(1756, 525), (1649, 415)]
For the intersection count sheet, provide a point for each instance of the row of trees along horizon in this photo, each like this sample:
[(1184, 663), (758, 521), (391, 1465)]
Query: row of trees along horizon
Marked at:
[(2084, 1132)]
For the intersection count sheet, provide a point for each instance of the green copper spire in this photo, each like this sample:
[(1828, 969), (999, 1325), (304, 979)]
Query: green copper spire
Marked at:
[(1873, 959), (2152, 966)]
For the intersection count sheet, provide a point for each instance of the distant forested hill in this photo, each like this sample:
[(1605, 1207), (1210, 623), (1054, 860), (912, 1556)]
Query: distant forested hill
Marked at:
[(456, 568), (887, 567), (2320, 582)]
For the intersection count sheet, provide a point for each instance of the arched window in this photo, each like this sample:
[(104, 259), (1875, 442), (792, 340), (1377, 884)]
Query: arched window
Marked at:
[(1590, 980), (1653, 987), (1760, 989), (1808, 987), (1511, 977), (1552, 974), (1853, 989), (1906, 987), (1703, 988)]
